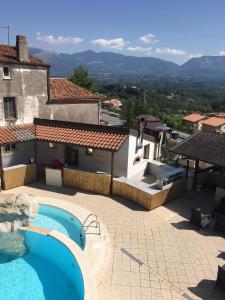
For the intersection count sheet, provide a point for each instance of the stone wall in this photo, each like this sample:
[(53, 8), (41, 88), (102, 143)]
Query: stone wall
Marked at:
[(28, 84)]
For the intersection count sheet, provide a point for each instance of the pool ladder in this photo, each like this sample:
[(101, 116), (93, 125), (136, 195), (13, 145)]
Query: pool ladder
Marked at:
[(93, 223)]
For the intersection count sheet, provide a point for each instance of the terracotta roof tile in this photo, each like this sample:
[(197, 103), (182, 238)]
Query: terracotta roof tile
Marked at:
[(86, 135), (8, 56), (215, 122), (194, 118), (63, 90), (17, 134), (91, 139)]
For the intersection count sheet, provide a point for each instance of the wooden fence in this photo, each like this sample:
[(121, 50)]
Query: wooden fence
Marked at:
[(88, 181), (18, 176), (147, 200)]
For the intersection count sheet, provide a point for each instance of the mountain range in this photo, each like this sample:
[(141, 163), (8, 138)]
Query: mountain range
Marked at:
[(109, 65)]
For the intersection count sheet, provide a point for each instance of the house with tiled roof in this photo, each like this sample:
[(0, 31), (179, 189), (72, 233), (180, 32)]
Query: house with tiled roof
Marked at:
[(23, 84), (112, 103), (214, 124), (49, 130), (106, 150), (70, 102), (26, 91), (193, 120)]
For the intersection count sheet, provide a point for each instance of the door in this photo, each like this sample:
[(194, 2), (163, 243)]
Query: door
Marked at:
[(72, 156)]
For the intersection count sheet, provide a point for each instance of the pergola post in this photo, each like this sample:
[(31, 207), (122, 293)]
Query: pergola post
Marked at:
[(195, 175), (112, 168), (187, 169)]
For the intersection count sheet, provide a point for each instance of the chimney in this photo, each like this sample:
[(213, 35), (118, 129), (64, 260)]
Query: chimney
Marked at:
[(21, 48)]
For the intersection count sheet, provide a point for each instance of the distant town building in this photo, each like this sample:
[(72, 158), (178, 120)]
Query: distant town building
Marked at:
[(214, 124), (194, 120), (219, 115), (112, 103)]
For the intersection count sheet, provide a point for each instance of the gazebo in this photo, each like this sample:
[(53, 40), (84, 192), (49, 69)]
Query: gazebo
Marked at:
[(203, 146)]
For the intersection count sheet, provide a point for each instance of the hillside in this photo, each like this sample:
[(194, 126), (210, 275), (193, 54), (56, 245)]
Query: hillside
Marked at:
[(114, 67)]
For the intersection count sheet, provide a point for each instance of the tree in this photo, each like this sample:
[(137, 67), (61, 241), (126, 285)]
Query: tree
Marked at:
[(81, 77), (130, 111)]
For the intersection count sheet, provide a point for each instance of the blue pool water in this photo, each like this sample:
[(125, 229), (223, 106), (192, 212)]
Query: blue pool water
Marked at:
[(53, 218), (47, 272)]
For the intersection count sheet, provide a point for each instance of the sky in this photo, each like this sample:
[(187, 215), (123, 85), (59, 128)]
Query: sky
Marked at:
[(174, 30)]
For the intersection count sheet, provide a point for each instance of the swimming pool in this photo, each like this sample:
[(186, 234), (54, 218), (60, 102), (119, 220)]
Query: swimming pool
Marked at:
[(48, 271), (53, 218)]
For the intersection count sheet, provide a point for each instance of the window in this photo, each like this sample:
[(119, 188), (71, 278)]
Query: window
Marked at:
[(9, 149), (6, 73), (146, 151), (10, 108)]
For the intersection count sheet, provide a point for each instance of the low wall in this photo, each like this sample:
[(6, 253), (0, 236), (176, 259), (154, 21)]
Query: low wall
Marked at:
[(92, 182), (18, 176), (147, 200)]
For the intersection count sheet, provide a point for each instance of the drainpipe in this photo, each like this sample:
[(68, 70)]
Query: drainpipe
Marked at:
[(112, 167)]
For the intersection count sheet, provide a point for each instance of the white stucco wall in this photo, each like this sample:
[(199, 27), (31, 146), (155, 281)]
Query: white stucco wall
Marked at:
[(101, 160), (138, 167), (28, 85)]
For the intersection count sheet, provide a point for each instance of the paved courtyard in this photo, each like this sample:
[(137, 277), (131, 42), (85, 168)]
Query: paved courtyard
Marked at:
[(156, 254)]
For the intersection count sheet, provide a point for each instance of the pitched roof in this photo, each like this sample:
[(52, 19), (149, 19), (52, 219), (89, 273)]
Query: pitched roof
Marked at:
[(85, 135), (205, 146), (108, 138), (17, 134), (8, 56), (64, 91), (194, 118), (214, 121)]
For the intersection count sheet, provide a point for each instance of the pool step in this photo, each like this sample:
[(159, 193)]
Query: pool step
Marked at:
[(36, 229)]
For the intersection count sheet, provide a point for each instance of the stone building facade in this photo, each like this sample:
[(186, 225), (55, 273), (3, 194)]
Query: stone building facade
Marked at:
[(23, 84), (26, 91)]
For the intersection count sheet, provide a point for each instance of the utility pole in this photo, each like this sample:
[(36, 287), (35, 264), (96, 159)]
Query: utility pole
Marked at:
[(6, 27)]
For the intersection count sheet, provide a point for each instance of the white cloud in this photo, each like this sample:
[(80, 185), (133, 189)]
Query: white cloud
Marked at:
[(140, 49), (50, 39), (170, 51), (118, 43), (176, 52), (193, 55), (222, 53), (148, 39)]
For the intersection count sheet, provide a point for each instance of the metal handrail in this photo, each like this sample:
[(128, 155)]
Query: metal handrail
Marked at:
[(86, 227), (97, 225), (89, 217)]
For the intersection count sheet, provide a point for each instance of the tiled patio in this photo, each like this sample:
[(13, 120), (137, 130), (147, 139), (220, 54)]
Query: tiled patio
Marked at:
[(157, 254)]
